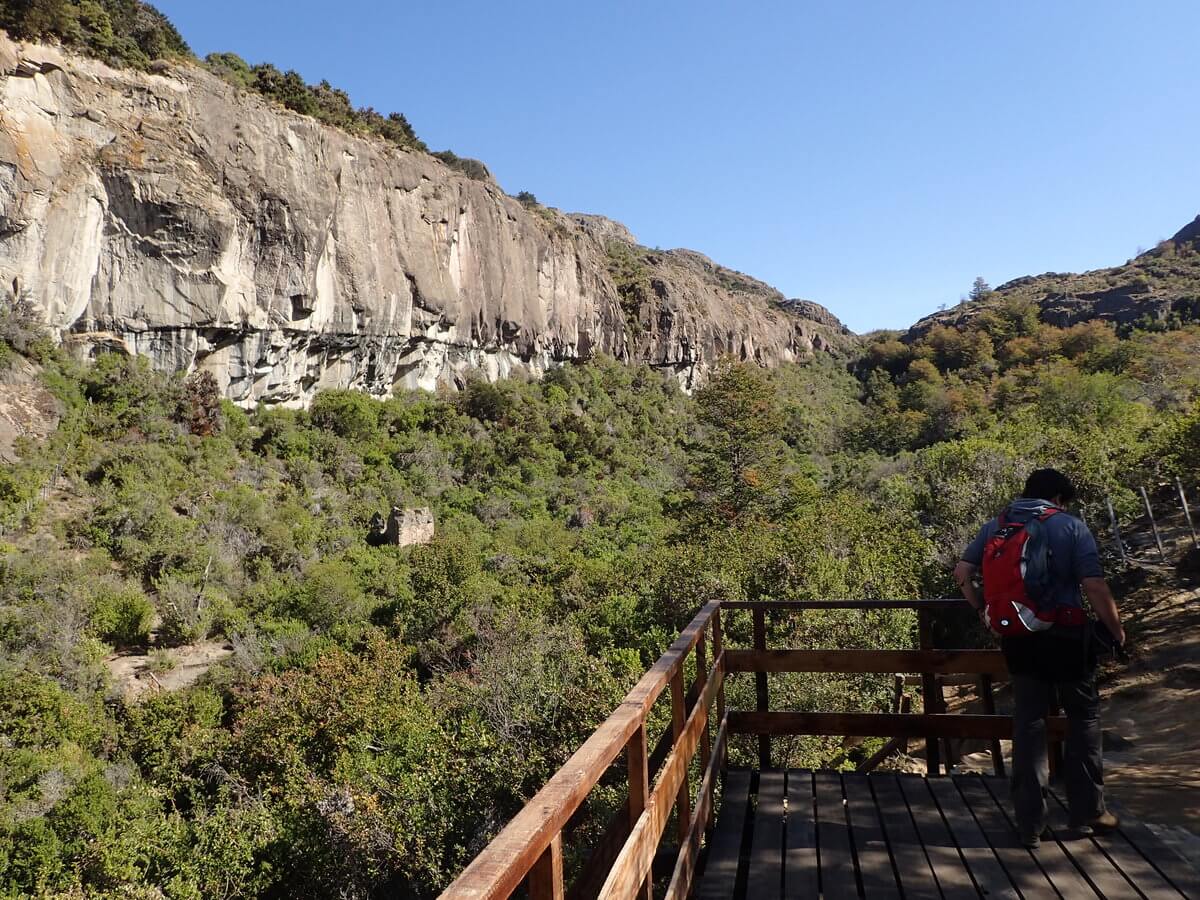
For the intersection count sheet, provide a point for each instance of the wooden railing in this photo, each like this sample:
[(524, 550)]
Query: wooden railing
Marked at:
[(529, 851)]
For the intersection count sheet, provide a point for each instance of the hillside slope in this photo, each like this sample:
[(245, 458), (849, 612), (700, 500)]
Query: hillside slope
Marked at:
[(177, 216), (1156, 288)]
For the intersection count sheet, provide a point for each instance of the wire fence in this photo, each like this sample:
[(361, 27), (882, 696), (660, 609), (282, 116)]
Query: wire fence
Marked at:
[(1169, 499)]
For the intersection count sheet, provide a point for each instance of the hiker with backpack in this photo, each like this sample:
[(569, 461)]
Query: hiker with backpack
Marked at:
[(1035, 559)]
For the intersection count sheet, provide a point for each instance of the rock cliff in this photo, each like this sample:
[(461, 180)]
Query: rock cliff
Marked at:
[(176, 216)]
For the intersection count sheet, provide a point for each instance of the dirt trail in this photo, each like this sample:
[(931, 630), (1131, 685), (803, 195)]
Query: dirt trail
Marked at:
[(134, 676), (1150, 713)]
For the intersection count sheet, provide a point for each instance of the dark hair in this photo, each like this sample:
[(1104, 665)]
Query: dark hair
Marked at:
[(1044, 484)]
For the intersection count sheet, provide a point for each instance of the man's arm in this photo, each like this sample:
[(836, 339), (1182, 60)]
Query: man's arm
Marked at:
[(1101, 598), (1091, 578), (964, 574), (968, 566)]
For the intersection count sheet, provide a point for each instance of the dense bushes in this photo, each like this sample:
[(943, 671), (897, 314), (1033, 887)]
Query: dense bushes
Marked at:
[(472, 168), (322, 101), (121, 32), (580, 522)]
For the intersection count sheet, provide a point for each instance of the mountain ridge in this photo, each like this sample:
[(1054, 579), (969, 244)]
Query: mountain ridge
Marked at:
[(1157, 288)]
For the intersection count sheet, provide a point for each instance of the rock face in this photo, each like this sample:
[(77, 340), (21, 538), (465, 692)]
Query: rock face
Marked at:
[(175, 216), (403, 528)]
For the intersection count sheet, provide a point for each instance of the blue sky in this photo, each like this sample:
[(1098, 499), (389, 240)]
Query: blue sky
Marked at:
[(872, 156)]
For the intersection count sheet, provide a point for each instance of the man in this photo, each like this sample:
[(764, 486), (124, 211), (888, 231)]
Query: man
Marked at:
[(1060, 660)]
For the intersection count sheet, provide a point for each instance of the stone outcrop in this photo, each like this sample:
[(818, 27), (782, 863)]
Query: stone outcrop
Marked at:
[(177, 216), (403, 528)]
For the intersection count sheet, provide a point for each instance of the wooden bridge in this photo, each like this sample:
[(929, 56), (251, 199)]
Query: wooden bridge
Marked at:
[(794, 833)]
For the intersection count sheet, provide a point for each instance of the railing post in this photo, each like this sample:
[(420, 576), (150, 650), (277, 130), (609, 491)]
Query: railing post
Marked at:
[(701, 680), (760, 689), (546, 876), (683, 800), (1162, 554), (718, 642), (988, 698), (929, 692), (1187, 513), (638, 759), (1116, 529)]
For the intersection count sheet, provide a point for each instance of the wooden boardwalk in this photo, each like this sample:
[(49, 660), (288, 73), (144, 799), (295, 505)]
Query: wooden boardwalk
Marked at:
[(797, 833), (806, 834)]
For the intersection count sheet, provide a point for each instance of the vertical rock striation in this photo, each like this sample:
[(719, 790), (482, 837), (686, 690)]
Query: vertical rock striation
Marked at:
[(176, 216)]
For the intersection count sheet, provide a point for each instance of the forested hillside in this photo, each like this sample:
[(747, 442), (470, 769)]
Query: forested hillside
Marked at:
[(580, 521)]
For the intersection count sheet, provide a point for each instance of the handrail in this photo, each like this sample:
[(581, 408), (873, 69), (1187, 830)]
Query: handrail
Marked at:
[(504, 863), (530, 847), (780, 605)]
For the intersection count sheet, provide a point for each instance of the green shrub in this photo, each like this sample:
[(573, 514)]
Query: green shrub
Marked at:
[(349, 414), (186, 610), (121, 615), (472, 168), (121, 32)]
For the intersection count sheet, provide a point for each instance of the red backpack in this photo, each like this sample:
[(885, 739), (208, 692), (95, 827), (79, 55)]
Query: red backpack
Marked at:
[(1017, 579)]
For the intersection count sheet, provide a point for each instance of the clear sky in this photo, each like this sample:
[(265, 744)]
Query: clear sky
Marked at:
[(872, 156)]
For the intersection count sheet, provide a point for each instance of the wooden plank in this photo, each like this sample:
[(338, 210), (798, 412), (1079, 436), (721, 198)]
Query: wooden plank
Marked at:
[(1133, 865), (721, 866), (684, 874), (987, 697), (595, 869), (503, 864), (1050, 856), (638, 800), (1023, 870), (833, 837), (952, 680), (701, 678), (857, 661), (894, 745), (720, 661), (879, 724), (636, 858), (929, 695), (659, 754), (801, 870), (546, 876), (683, 797), (765, 878), (1166, 862), (977, 853), (786, 605), (871, 850), (1106, 878), (916, 877), (949, 868), (760, 689)]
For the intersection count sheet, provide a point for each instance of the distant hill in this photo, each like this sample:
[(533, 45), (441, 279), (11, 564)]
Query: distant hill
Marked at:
[(1158, 288)]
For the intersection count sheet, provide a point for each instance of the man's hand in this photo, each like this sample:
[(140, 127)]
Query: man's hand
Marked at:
[(964, 574), (1105, 606)]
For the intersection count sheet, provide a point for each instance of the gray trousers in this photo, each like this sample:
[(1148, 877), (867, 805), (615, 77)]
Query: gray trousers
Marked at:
[(1083, 765)]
